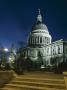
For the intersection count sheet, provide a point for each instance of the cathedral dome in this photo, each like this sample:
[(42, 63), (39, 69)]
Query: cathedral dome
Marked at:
[(40, 35), (39, 26)]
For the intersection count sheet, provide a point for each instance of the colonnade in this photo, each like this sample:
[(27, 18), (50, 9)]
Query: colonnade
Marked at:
[(39, 40)]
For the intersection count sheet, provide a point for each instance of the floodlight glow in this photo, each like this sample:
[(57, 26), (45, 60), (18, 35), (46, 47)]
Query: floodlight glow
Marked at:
[(6, 49)]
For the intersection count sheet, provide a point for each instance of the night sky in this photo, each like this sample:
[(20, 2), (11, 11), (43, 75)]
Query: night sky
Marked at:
[(18, 16)]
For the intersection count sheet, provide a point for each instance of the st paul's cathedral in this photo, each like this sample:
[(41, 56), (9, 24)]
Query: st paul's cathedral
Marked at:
[(40, 45)]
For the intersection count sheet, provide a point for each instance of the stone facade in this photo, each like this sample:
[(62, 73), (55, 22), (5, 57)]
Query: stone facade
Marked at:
[(40, 41)]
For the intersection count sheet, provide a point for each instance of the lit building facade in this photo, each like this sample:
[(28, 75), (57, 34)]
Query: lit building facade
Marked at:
[(40, 42)]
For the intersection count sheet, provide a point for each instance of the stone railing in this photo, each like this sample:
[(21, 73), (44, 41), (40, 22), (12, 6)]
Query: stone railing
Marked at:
[(5, 77)]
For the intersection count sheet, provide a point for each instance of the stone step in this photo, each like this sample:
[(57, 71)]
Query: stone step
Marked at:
[(50, 85), (26, 87), (39, 77), (30, 89), (52, 76), (41, 84), (40, 80), (36, 81)]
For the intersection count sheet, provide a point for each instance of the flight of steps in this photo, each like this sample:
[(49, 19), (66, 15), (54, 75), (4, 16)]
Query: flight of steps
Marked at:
[(36, 81)]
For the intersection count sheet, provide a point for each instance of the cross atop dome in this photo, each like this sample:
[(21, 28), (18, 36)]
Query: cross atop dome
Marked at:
[(39, 16)]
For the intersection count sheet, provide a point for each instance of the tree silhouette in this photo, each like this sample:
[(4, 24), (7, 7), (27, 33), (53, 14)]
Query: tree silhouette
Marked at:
[(12, 56), (3, 59)]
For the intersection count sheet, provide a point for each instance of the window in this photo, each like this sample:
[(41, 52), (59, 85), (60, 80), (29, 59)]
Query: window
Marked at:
[(54, 49), (47, 51), (59, 50), (53, 52), (47, 40)]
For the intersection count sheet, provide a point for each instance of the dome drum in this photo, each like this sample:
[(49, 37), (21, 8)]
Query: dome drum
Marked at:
[(39, 40)]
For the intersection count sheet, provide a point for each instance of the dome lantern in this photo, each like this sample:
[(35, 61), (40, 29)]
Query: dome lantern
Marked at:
[(39, 24), (39, 16)]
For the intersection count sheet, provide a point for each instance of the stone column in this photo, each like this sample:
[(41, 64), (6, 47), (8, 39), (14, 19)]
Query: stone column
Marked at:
[(31, 40), (39, 39), (34, 40), (42, 40), (45, 40)]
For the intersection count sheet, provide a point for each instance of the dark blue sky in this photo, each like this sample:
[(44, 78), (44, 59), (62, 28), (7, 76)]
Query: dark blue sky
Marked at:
[(18, 16)]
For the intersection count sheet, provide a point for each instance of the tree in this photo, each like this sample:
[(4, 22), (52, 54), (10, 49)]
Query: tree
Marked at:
[(3, 59), (19, 63), (28, 64), (12, 56)]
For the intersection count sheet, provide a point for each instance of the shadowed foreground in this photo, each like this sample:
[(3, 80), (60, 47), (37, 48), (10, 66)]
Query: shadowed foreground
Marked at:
[(36, 81)]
